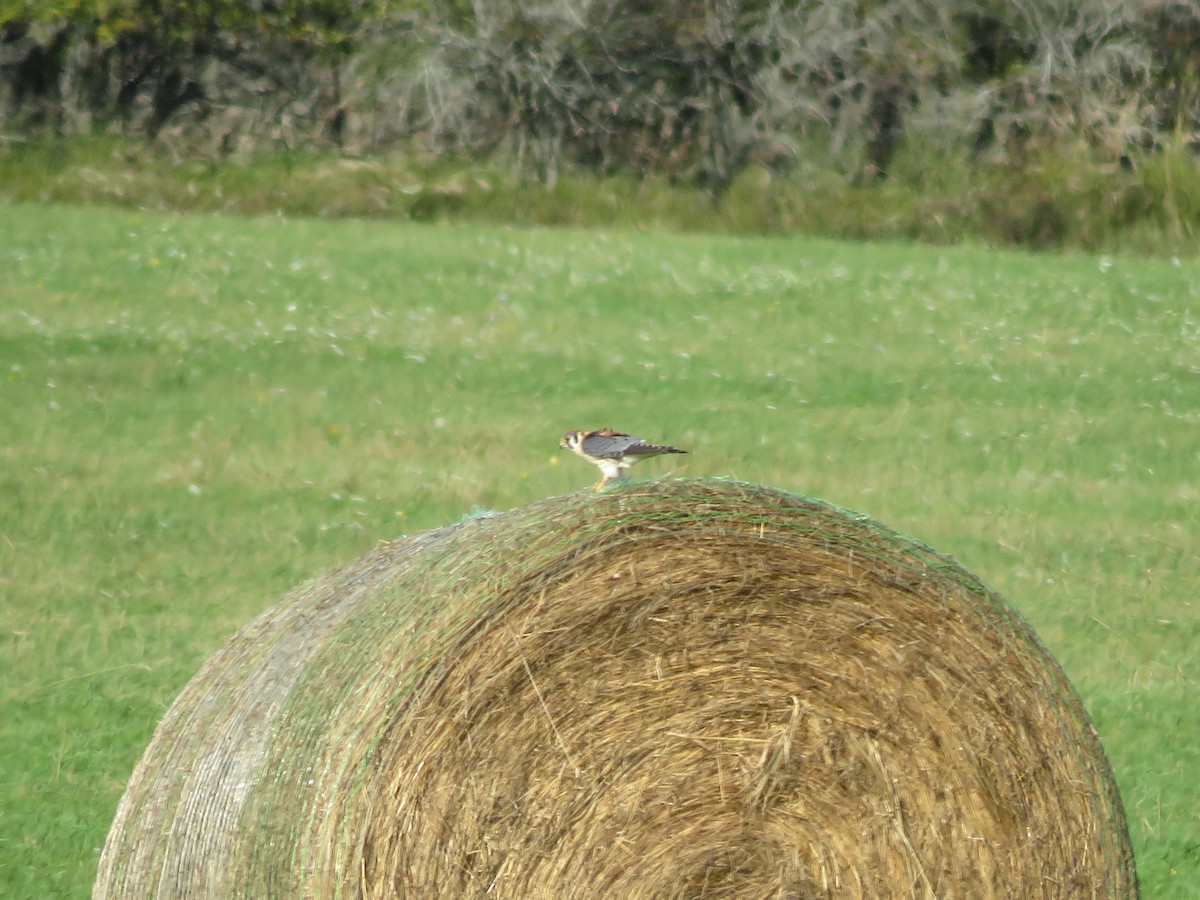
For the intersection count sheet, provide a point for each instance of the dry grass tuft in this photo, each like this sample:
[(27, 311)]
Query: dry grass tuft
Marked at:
[(668, 689)]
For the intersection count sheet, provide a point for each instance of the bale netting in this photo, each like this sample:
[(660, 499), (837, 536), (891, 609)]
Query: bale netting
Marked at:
[(684, 688)]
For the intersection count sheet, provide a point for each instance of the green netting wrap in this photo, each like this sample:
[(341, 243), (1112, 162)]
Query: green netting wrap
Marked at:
[(678, 688)]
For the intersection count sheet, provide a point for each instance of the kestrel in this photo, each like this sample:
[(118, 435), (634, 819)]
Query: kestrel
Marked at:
[(611, 451)]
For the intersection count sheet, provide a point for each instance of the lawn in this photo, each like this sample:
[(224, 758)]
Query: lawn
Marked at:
[(201, 411)]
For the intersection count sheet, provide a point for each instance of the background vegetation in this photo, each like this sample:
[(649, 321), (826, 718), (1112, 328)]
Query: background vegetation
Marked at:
[(1047, 123), (1152, 211), (202, 411)]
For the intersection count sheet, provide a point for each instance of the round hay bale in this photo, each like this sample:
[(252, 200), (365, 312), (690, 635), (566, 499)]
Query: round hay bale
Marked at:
[(668, 689)]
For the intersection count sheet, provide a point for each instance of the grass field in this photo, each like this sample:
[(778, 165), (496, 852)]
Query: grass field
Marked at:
[(200, 412)]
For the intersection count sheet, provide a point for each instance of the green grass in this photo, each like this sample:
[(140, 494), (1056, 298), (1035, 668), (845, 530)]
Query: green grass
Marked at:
[(201, 411), (1063, 198)]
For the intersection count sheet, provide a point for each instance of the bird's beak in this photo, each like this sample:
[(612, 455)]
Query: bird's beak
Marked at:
[(563, 445)]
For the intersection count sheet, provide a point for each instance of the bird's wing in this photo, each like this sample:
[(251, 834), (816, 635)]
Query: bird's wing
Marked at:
[(609, 445), (641, 448)]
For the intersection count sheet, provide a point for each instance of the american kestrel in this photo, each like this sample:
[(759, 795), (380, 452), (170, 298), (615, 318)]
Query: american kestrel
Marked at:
[(612, 451)]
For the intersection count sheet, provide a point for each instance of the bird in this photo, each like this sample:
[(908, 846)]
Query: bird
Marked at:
[(611, 451)]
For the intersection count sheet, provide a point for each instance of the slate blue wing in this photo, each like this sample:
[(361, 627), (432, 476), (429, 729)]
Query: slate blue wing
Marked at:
[(610, 445)]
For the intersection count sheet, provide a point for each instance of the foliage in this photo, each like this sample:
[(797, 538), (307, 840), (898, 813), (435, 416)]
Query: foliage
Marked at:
[(244, 69), (675, 90), (1059, 199)]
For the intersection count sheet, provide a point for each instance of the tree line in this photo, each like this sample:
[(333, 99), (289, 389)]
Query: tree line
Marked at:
[(678, 88)]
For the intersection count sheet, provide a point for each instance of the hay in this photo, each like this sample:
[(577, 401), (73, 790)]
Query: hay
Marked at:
[(668, 689)]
